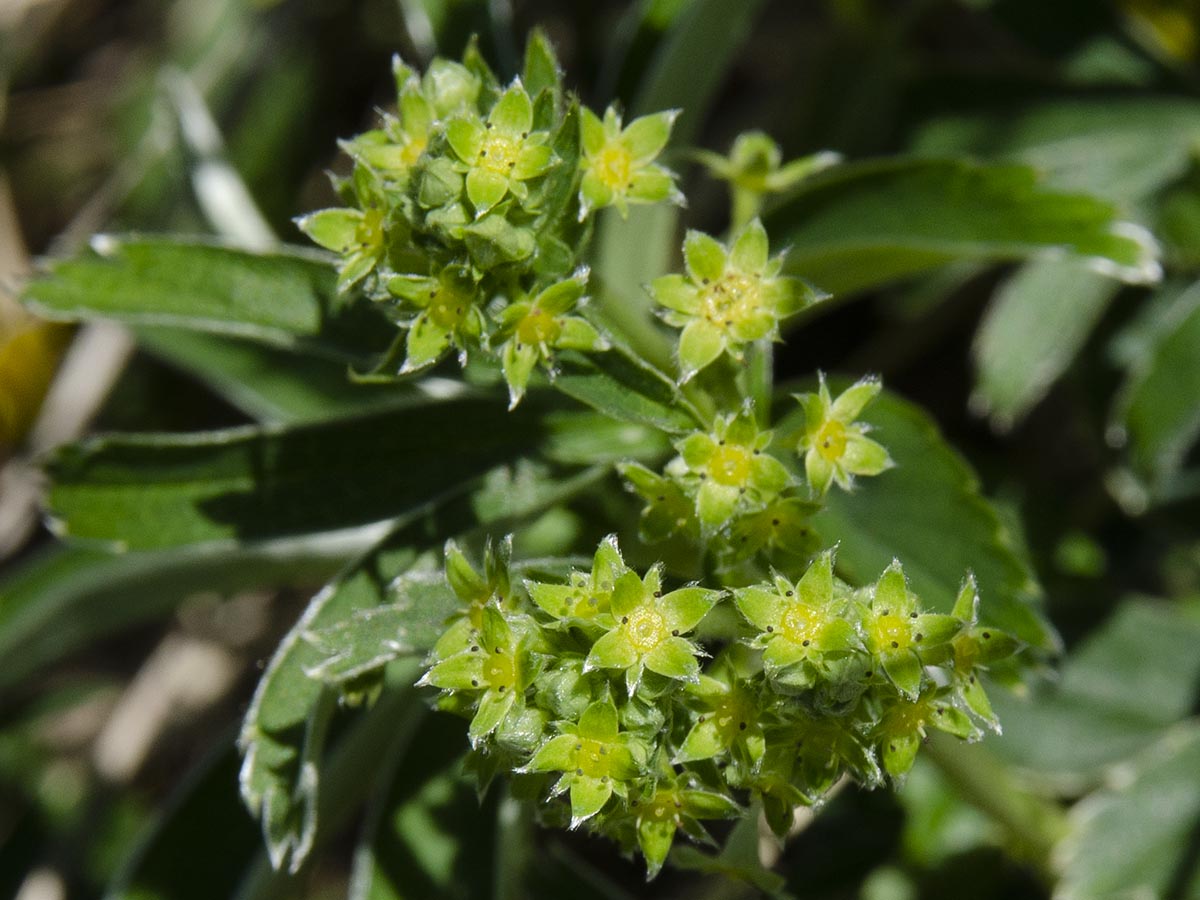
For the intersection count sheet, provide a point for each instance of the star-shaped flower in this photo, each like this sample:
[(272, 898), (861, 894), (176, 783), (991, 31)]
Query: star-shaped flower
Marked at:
[(648, 628), (618, 163), (730, 720), (898, 634), (728, 298), (585, 600), (501, 154), (476, 591), (904, 725), (530, 330), (667, 805), (733, 468), (972, 649), (800, 626), (835, 447), (595, 757), (359, 236), (449, 315), (494, 671)]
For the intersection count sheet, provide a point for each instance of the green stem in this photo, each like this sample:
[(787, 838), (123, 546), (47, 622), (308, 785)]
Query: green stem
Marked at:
[(760, 379), (1034, 824)]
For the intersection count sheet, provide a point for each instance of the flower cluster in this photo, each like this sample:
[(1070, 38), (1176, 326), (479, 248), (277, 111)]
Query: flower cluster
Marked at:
[(639, 713), (469, 208)]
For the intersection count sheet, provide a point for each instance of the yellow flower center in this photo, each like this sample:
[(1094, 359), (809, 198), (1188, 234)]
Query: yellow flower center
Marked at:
[(892, 632), (801, 623), (447, 308), (499, 153), (369, 233), (614, 166), (731, 465), (733, 298), (501, 670), (411, 150), (592, 757), (538, 327), (645, 629), (831, 440), (665, 806)]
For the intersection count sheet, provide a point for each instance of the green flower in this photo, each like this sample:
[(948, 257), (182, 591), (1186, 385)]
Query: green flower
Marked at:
[(754, 168), (647, 629), (905, 724), (357, 235), (898, 634), (394, 149), (531, 329), (668, 805), (449, 315), (783, 524), (733, 467), (595, 757), (500, 155), (730, 720), (668, 511), (494, 671), (972, 649), (835, 447), (728, 298), (799, 625), (618, 164), (586, 599)]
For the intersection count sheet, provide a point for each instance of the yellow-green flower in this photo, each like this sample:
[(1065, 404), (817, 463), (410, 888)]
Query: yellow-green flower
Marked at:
[(357, 235), (800, 626), (899, 635), (835, 447), (648, 627), (531, 330), (449, 315), (501, 154), (618, 163), (733, 468), (596, 758), (728, 298), (668, 804)]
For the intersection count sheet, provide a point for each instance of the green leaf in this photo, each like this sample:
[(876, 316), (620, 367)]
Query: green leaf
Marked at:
[(1116, 693), (204, 812), (861, 225), (370, 638), (274, 386), (1157, 411), (1137, 838), (426, 831), (929, 512), (286, 299), (156, 491), (624, 388), (1120, 148), (63, 598), (1035, 325)]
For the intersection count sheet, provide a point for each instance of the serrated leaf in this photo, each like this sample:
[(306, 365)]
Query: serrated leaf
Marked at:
[(286, 299), (862, 225)]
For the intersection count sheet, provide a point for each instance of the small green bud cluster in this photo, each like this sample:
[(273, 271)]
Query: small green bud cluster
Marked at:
[(728, 493), (469, 211), (608, 696)]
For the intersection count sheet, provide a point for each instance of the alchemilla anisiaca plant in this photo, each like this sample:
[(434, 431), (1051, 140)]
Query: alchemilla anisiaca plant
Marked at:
[(628, 699)]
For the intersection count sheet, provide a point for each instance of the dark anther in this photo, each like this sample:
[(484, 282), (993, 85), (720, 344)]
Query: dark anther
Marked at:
[(624, 619), (895, 645), (987, 635), (919, 637), (770, 628), (805, 643), (741, 726), (674, 632), (474, 682)]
